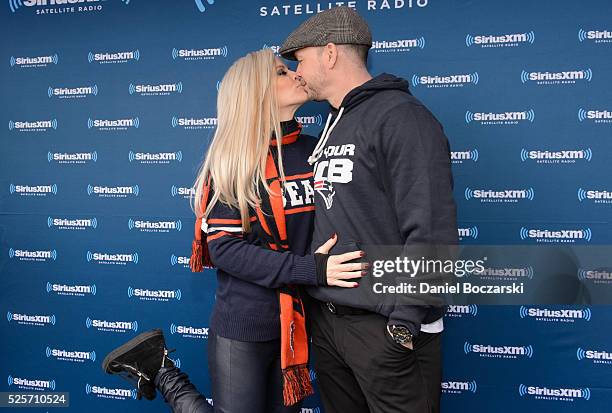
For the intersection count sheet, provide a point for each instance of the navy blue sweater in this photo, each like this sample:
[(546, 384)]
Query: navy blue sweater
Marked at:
[(248, 275)]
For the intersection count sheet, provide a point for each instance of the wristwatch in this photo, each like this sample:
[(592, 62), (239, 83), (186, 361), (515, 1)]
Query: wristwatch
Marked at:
[(401, 335)]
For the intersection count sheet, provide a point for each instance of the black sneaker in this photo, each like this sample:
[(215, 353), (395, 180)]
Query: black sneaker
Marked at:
[(139, 360)]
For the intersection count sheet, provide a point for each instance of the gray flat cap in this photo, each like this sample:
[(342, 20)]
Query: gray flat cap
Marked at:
[(339, 25)]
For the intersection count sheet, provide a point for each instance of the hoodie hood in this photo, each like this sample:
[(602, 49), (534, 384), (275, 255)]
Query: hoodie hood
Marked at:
[(355, 97), (384, 81)]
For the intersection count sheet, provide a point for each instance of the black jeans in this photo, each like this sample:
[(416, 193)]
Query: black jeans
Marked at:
[(246, 376), (360, 369)]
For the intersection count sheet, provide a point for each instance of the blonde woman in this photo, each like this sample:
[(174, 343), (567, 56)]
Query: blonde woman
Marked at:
[(255, 209)]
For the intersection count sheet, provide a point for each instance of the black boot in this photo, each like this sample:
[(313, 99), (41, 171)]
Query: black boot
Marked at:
[(139, 360)]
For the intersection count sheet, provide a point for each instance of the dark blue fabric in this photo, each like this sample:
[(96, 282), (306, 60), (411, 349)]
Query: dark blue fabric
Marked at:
[(246, 306), (386, 179)]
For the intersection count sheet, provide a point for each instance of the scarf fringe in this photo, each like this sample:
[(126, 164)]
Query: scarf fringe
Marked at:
[(296, 384), (200, 257)]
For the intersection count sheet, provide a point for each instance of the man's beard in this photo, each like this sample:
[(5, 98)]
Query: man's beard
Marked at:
[(313, 94)]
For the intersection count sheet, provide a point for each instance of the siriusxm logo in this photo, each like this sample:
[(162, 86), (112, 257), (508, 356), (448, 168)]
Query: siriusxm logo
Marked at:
[(154, 226), (558, 394), (71, 290), (595, 116), (559, 236), (595, 36), (162, 89), (113, 191), (557, 78), (556, 157), (507, 352), (41, 7), (113, 124), (115, 57), (189, 331), (500, 118), (459, 387), (72, 158), (33, 126), (111, 326), (154, 295), (180, 261), (315, 409), (307, 121), (503, 40), (503, 273), (31, 384), (38, 190), (597, 357), (560, 315), (182, 191), (29, 255), (31, 320), (200, 4), (599, 276), (460, 157), (108, 393), (74, 356), (445, 81), (72, 93), (275, 48), (311, 8), (506, 195), (111, 259), (158, 158), (193, 123), (597, 197), (72, 224), (469, 232), (36, 61), (199, 54), (400, 45), (459, 311)]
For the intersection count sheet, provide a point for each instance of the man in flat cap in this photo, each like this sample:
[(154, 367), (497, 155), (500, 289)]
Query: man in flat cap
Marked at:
[(383, 177)]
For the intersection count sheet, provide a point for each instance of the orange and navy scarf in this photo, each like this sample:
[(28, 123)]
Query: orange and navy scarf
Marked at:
[(294, 342)]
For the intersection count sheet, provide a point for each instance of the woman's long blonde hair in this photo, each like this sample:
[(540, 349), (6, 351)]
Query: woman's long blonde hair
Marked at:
[(247, 118)]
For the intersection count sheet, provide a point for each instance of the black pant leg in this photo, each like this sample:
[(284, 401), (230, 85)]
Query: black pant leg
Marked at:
[(274, 397), (180, 394), (429, 354), (393, 378), (338, 388), (246, 376), (237, 372)]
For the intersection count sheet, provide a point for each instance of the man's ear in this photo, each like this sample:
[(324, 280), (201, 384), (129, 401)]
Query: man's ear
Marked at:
[(330, 55)]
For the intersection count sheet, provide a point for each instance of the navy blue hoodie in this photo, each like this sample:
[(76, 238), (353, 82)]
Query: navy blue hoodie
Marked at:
[(383, 177)]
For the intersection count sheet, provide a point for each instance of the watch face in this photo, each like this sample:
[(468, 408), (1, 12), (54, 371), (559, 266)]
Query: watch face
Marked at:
[(401, 334)]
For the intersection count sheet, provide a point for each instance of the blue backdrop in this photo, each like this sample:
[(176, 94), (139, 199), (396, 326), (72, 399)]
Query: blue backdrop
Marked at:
[(109, 107)]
